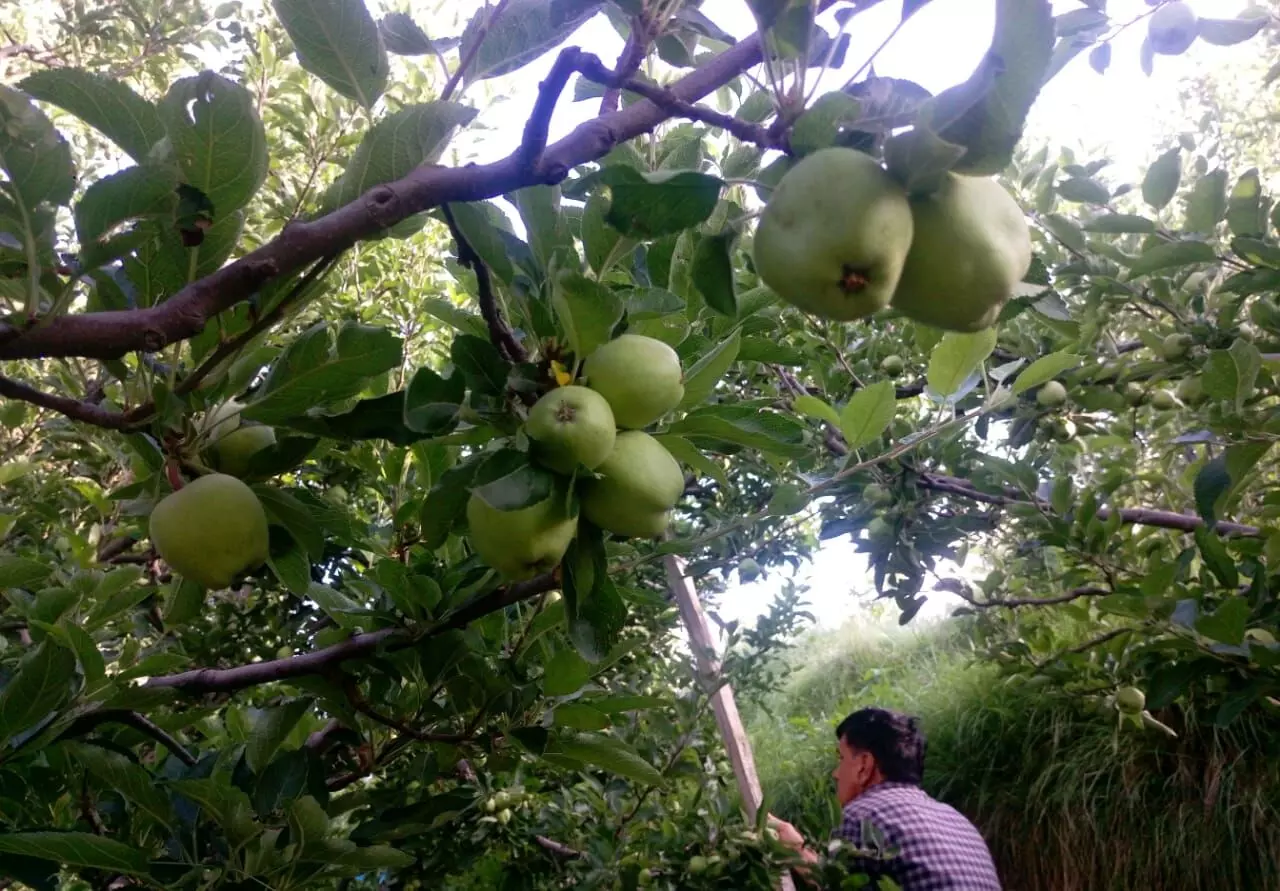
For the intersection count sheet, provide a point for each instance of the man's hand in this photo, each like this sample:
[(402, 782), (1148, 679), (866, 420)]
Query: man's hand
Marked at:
[(787, 834)]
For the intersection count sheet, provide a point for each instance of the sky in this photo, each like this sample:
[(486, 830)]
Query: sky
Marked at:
[(1123, 115)]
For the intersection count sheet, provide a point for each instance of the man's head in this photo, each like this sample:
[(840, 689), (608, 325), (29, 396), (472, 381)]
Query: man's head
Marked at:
[(876, 746)]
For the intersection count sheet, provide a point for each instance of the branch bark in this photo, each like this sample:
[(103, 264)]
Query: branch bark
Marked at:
[(227, 680), (114, 333), (138, 722), (76, 409), (500, 332)]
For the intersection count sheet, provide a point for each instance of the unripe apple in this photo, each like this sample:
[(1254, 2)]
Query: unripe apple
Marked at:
[(1051, 395), (211, 530)]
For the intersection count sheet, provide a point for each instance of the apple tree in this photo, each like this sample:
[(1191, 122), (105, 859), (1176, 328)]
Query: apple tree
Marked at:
[(341, 476)]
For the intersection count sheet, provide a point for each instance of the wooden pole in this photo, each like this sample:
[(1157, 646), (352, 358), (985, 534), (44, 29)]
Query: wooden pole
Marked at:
[(722, 701)]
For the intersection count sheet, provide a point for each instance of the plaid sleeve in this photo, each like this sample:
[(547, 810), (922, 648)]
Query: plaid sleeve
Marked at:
[(861, 845)]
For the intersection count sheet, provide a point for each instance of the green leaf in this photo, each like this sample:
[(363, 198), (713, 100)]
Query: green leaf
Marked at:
[(1227, 623), (1045, 369), (77, 850), (185, 600), (218, 139), (813, 407), (269, 728), (539, 208), (398, 144), (445, 503), (1008, 82), (1231, 374), (868, 413), (292, 567), (600, 241), (128, 195), (338, 42), (133, 782), (656, 204), (1229, 32), (524, 31), (1084, 190), (308, 824), (226, 804), (482, 366), (578, 716), (713, 275), (820, 124), (1215, 557), (41, 685), (165, 266), (749, 426), (20, 572), (336, 605), (1171, 255), (1119, 223), (374, 857), (607, 753), (523, 487), (566, 673), (1162, 179), (431, 402), (588, 311), (109, 106), (318, 370), (593, 606), (286, 511), (479, 223), (920, 158), (33, 153), (956, 357), (1207, 204), (1244, 208), (118, 592), (692, 457), (700, 380)]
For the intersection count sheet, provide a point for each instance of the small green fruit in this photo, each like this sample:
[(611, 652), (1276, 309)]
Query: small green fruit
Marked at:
[(1064, 430), (234, 452), (880, 531), (571, 426), (697, 865), (521, 543), (877, 495), (748, 570), (1134, 394), (1175, 346), (1191, 390), (1130, 700), (1163, 400), (504, 816), (211, 530), (892, 365), (284, 653), (1172, 29), (490, 806), (639, 376), (1051, 395), (971, 249), (834, 236), (639, 484), (222, 420)]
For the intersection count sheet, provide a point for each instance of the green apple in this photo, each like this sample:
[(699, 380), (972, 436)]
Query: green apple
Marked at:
[(571, 426), (1130, 700), (876, 495), (971, 249), (639, 376), (521, 543), (211, 530), (1134, 394), (1191, 390), (748, 570), (1175, 346), (880, 531), (1064, 430), (1163, 400), (1051, 395), (234, 452), (638, 485), (222, 420), (1172, 29), (892, 365), (834, 235)]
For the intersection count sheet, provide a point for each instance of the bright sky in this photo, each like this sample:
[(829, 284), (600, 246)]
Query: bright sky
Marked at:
[(1122, 115)]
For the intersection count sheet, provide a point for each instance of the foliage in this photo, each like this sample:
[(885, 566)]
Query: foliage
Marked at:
[(282, 232)]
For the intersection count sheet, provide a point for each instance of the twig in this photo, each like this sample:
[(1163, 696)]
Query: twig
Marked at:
[(560, 850), (499, 331), (963, 591), (629, 62), (465, 61), (1084, 647), (64, 405), (138, 722), (226, 680)]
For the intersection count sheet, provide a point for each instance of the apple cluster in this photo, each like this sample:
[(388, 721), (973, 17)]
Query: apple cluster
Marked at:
[(591, 435)]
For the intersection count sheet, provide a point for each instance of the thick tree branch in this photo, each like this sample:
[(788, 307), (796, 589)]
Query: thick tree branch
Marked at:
[(76, 409), (114, 333), (228, 680), (500, 332), (1139, 516)]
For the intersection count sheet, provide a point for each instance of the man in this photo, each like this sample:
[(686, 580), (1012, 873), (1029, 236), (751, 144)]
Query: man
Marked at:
[(897, 830)]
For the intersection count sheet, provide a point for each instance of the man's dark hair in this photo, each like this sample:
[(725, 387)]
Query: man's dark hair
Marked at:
[(895, 740)]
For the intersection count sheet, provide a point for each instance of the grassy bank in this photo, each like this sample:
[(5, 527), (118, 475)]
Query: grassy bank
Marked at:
[(1066, 802)]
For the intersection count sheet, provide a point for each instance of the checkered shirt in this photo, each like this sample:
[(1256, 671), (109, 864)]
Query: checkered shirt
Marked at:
[(902, 834)]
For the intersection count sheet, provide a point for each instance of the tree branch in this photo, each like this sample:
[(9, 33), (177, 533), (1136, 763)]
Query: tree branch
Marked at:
[(138, 722), (227, 680), (464, 62), (76, 409), (500, 332), (111, 334), (1138, 516), (629, 62), (964, 592)]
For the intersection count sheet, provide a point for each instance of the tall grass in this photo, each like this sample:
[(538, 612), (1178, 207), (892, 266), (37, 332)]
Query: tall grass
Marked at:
[(1066, 801)]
